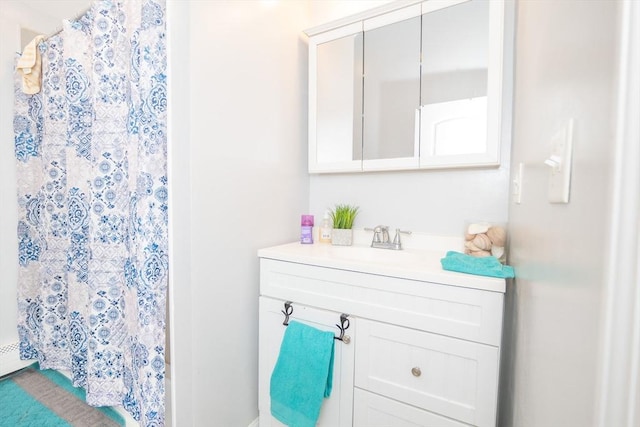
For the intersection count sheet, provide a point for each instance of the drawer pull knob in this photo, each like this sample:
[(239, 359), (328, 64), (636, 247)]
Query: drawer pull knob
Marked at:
[(416, 371), (346, 339)]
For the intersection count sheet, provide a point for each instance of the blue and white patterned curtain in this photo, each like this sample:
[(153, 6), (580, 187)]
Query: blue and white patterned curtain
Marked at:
[(92, 188)]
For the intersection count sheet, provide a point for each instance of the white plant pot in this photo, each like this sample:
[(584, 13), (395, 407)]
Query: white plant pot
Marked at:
[(342, 237)]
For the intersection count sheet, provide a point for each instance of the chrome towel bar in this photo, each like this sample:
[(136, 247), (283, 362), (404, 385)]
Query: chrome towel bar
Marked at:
[(343, 326)]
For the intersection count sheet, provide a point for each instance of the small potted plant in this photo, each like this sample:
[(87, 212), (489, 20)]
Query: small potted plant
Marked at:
[(343, 217)]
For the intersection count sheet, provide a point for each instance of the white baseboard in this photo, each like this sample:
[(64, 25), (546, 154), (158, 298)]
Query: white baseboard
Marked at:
[(10, 359), (255, 423)]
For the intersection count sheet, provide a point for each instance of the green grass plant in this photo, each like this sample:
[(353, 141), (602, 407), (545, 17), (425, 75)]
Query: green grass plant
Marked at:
[(343, 216)]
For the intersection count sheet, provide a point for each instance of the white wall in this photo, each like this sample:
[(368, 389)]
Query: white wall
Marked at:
[(565, 68), (179, 166), (435, 202), (620, 391), (246, 75), (323, 11)]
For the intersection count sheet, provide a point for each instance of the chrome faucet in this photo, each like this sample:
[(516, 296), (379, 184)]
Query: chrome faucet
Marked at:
[(381, 238), (380, 234)]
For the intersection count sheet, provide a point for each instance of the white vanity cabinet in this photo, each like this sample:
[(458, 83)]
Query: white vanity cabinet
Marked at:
[(426, 349)]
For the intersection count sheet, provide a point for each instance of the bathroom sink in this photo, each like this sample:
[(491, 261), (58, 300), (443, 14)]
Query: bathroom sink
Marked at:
[(360, 258), (415, 263), (405, 257)]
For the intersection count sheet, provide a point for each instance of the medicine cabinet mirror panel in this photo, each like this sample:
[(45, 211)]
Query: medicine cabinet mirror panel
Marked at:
[(335, 64), (415, 87), (391, 89), (454, 127)]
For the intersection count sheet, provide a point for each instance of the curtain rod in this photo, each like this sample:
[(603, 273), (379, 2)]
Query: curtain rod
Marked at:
[(75, 18)]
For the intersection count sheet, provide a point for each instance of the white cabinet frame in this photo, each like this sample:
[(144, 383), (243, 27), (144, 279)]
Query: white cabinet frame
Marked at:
[(498, 89)]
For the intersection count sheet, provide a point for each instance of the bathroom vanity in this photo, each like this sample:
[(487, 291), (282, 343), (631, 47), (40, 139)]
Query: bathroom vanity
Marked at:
[(421, 345)]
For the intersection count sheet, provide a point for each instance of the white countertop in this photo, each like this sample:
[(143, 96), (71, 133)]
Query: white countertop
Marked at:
[(409, 263)]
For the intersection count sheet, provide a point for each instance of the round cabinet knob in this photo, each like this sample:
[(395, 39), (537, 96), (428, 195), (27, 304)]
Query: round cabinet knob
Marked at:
[(346, 339), (416, 371)]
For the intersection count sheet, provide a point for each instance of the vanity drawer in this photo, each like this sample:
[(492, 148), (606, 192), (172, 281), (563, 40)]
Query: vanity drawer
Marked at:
[(447, 376), (372, 410), (460, 312)]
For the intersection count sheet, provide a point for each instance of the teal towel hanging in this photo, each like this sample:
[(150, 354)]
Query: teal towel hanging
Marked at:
[(302, 376)]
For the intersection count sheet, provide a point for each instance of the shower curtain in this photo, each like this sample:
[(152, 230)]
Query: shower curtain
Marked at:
[(92, 188)]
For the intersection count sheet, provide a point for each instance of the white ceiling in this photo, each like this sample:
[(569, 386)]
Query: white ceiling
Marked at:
[(60, 9)]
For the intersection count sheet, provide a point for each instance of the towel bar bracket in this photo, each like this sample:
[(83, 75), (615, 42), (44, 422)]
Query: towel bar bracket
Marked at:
[(288, 310), (343, 326)]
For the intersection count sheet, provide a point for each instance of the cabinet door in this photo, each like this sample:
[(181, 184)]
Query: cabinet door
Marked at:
[(337, 409), (451, 377), (391, 94), (371, 410), (461, 84), (335, 100)]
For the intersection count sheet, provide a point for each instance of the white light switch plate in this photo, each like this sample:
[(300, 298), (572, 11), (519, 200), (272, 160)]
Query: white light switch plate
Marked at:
[(560, 164), (517, 184)]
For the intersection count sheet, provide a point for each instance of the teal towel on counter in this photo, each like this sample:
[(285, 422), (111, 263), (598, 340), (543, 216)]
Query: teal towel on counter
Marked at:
[(481, 266), (303, 375)]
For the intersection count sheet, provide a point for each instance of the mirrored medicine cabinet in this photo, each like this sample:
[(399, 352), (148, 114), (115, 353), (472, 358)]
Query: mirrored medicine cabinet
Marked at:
[(410, 85)]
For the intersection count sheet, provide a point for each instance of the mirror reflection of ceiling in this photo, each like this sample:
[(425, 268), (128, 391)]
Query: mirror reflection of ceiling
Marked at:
[(464, 27)]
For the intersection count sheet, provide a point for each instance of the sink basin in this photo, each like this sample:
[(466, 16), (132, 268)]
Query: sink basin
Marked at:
[(379, 256)]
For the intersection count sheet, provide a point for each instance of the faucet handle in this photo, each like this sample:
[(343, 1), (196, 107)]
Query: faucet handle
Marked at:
[(380, 234), (397, 242), (385, 233)]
